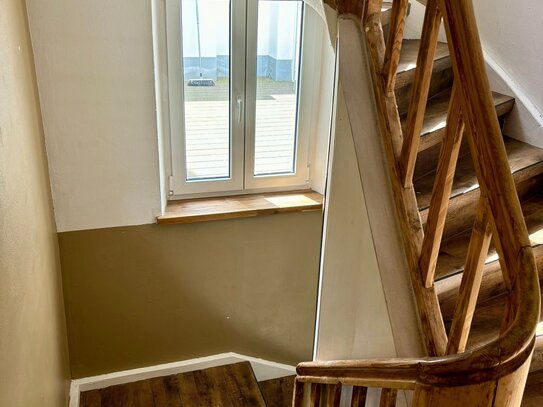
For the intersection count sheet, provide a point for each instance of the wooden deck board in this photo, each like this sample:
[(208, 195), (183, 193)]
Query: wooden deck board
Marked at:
[(207, 123)]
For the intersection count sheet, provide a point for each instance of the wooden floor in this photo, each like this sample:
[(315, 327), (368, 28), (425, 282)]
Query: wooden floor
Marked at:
[(278, 392), (533, 393), (207, 128), (225, 386)]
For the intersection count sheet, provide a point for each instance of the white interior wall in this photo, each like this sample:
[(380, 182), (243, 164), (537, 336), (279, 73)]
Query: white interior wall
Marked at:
[(94, 63), (511, 34), (511, 38)]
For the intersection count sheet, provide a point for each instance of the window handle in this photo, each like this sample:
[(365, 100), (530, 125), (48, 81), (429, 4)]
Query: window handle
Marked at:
[(240, 108)]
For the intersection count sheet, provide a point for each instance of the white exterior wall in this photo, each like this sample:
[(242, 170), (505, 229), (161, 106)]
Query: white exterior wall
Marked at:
[(274, 42)]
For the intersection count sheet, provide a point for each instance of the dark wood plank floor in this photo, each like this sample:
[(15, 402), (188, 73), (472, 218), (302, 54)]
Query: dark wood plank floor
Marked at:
[(225, 386), (278, 392), (533, 394)]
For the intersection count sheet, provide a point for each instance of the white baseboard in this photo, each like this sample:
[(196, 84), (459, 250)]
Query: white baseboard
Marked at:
[(525, 122), (263, 369)]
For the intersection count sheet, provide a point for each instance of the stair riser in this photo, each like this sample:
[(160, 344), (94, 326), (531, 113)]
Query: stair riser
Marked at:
[(427, 160), (442, 78), (462, 208), (492, 285), (433, 139)]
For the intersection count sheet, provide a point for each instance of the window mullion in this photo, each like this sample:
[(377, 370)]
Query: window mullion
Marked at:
[(250, 80)]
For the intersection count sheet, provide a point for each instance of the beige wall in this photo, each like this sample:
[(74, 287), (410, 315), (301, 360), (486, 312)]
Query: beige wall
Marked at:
[(33, 351), (143, 295)]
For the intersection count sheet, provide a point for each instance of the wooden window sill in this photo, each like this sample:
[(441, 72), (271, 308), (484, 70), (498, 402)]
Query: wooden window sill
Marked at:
[(241, 206)]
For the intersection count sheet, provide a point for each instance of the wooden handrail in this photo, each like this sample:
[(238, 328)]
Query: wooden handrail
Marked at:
[(394, 43), (493, 374), (497, 359)]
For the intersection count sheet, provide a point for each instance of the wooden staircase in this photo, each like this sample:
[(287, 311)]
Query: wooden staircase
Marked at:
[(475, 261), (463, 246), (231, 385), (526, 163)]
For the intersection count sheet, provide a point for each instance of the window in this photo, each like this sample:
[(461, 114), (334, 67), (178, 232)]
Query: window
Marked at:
[(237, 78)]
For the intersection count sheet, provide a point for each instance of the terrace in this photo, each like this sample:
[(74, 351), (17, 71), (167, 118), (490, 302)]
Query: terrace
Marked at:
[(207, 128)]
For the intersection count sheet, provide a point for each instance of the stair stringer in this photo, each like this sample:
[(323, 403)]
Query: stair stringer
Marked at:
[(355, 79), (356, 118)]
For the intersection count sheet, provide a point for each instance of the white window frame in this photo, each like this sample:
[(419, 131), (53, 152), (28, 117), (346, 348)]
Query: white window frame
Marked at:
[(242, 110)]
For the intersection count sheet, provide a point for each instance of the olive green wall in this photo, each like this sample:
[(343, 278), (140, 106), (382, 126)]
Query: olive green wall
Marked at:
[(34, 368), (143, 295)]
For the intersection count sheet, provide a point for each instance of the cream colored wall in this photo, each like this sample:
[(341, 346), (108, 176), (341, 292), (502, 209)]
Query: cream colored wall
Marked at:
[(143, 295), (94, 65), (33, 348)]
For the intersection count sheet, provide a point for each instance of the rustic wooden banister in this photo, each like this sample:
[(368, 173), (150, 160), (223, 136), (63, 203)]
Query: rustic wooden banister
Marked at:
[(498, 359), (439, 203), (421, 87), (471, 280), (493, 374), (394, 43)]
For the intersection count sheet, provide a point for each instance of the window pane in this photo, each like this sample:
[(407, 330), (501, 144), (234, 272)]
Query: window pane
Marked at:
[(278, 66), (206, 66)]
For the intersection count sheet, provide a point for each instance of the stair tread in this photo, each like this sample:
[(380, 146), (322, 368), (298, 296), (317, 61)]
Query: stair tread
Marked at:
[(386, 12), (486, 321), (522, 157), (435, 118), (453, 251), (533, 392), (278, 392), (231, 385), (408, 61)]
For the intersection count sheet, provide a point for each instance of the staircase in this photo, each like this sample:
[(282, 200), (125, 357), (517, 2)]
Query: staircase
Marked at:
[(231, 385), (526, 164), (442, 133)]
